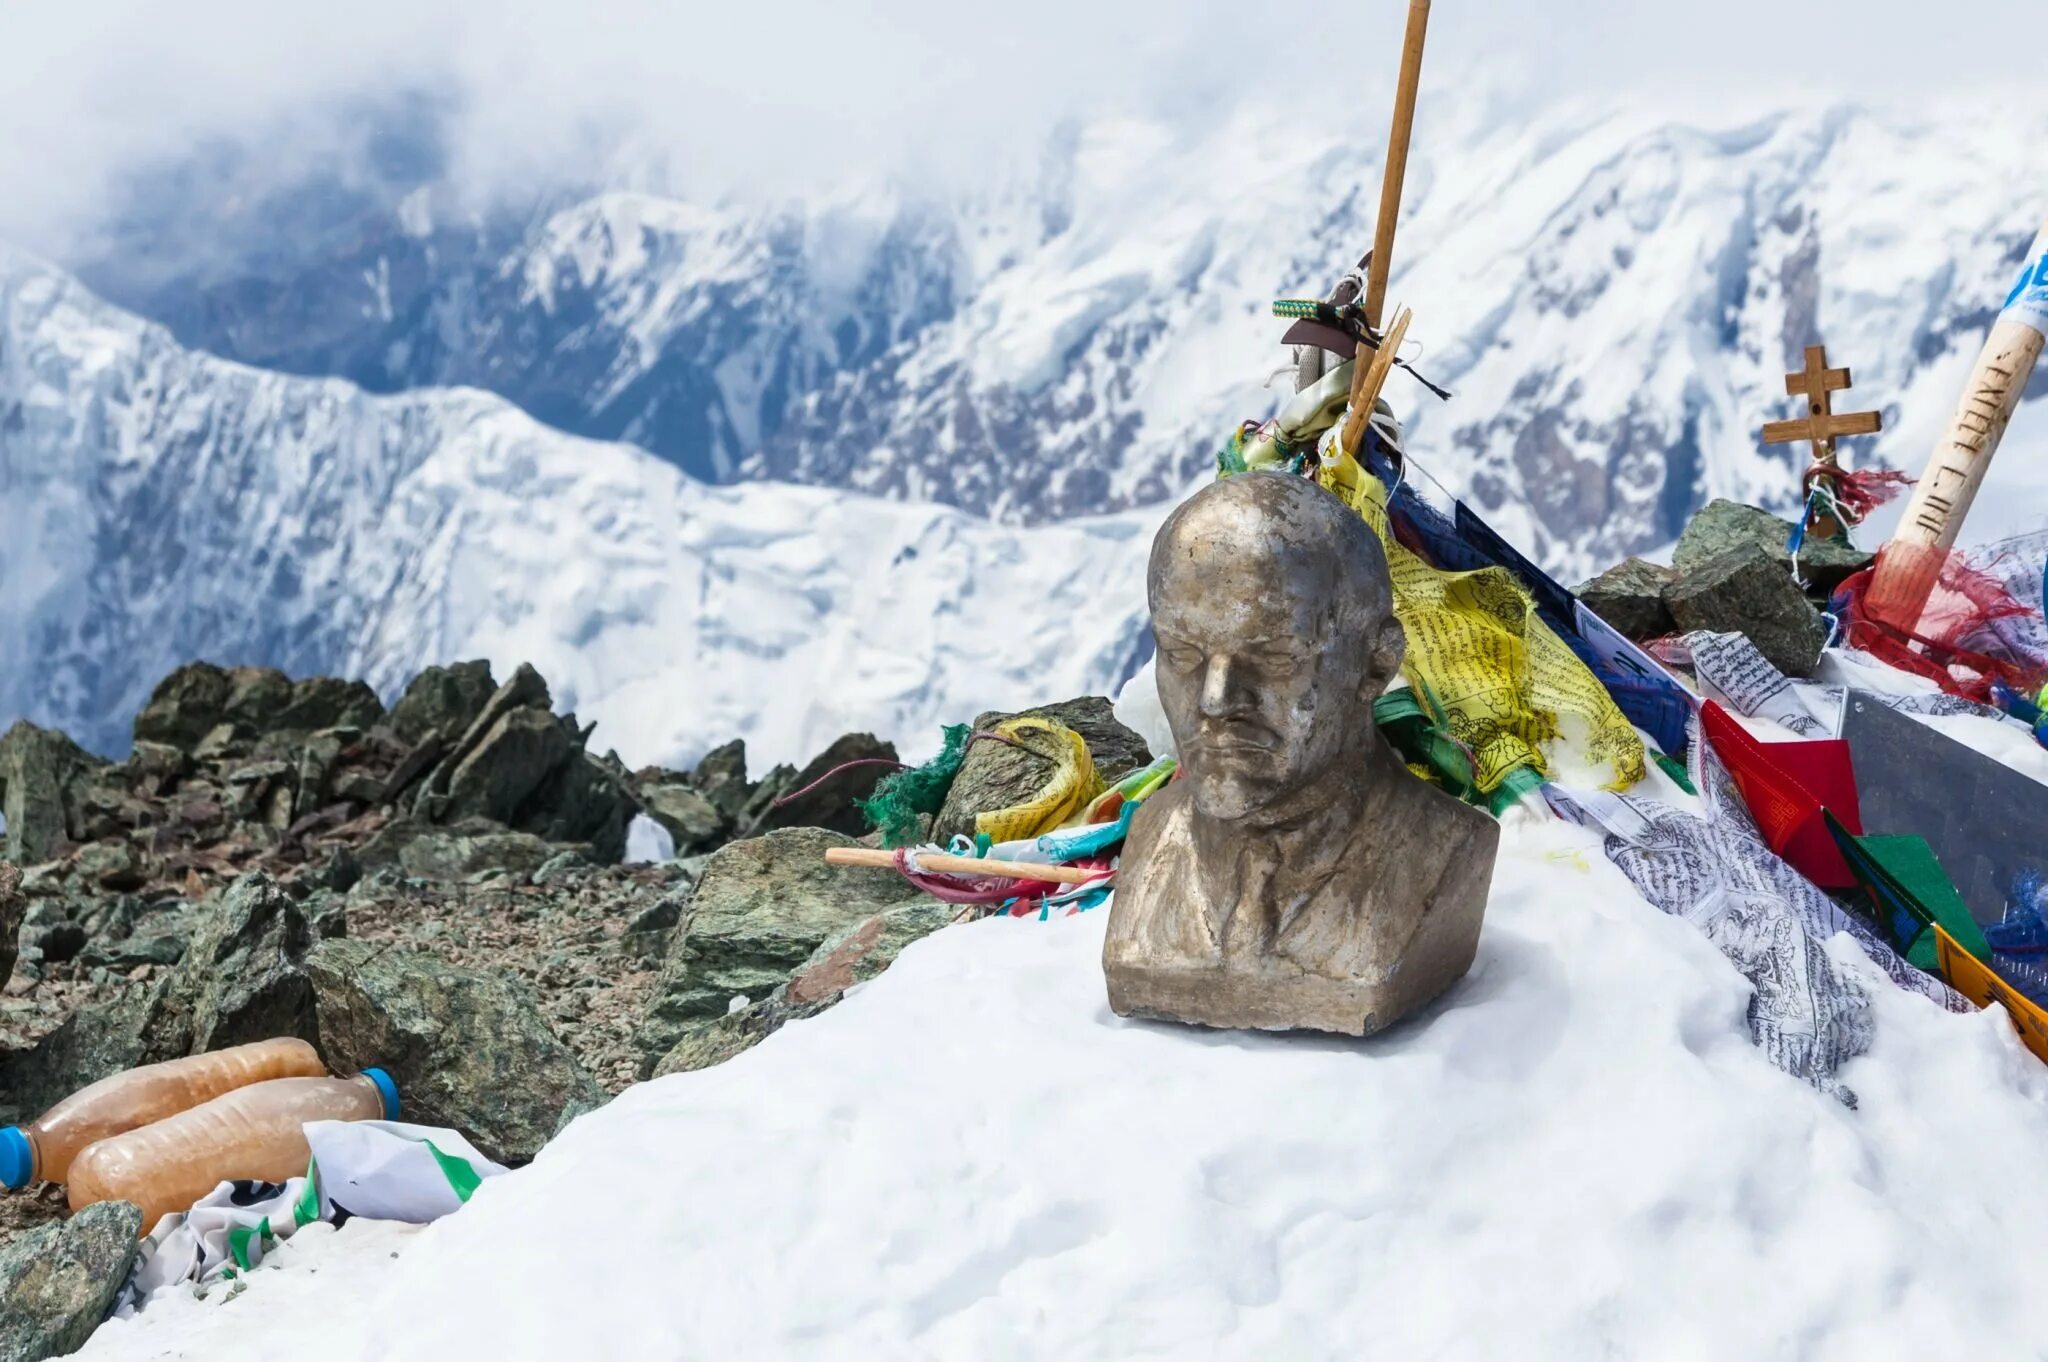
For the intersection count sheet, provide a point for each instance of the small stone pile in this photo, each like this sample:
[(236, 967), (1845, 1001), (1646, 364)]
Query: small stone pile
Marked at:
[(1732, 572)]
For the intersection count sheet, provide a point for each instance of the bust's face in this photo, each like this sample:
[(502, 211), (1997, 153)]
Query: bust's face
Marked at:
[(1259, 698)]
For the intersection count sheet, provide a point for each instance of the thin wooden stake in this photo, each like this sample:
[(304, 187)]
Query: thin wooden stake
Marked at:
[(965, 865), (1397, 165), (1368, 378)]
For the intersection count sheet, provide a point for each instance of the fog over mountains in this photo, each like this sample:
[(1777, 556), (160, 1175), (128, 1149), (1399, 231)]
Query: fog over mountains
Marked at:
[(884, 456)]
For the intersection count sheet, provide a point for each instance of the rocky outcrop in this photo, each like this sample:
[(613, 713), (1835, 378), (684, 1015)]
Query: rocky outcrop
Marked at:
[(760, 910), (40, 776), (996, 775), (13, 907), (1630, 596), (1721, 526), (1742, 591), (441, 702), (853, 956), (521, 765), (59, 1282), (468, 1049)]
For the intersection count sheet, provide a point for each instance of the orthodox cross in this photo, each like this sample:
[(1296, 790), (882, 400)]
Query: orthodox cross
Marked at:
[(1822, 425)]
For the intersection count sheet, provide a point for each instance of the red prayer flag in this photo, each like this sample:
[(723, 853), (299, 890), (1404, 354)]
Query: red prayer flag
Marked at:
[(1786, 785)]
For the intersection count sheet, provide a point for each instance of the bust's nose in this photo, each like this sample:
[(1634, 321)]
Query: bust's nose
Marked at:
[(1223, 687)]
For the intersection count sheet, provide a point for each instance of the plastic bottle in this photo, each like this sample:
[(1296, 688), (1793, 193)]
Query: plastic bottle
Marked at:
[(42, 1150), (253, 1132)]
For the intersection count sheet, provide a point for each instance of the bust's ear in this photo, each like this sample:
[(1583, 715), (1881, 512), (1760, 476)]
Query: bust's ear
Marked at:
[(1389, 646)]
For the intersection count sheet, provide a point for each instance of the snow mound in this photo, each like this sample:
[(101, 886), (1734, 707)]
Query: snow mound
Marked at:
[(1576, 1153)]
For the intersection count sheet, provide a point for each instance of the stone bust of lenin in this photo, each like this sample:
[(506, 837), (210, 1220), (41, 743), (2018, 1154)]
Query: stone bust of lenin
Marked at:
[(1298, 875)]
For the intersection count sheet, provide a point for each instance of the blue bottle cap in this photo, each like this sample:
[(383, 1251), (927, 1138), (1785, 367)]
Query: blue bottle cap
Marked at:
[(386, 1089), (17, 1158)]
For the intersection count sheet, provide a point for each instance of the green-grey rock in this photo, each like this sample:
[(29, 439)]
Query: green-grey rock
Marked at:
[(1744, 592), (40, 774), (451, 854), (443, 701), (853, 956), (996, 775), (13, 907), (722, 776), (509, 762), (58, 1282), (97, 1040), (689, 816), (1722, 525), (761, 908), (1630, 596), (468, 1050), (322, 702), (185, 706), (242, 978), (584, 802), (713, 1042)]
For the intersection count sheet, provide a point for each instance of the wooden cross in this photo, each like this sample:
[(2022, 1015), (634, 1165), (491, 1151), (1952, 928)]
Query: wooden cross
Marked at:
[(1822, 425), (1817, 383)]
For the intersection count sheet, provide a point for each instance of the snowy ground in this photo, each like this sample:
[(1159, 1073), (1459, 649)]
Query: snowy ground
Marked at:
[(1576, 1154)]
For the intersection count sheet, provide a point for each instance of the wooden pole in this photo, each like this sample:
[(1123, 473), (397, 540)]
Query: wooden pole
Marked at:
[(1368, 378), (965, 865), (1912, 562), (1397, 165)]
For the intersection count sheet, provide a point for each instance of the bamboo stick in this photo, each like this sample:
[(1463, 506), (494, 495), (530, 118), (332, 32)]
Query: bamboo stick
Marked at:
[(1397, 165), (964, 865), (1913, 560)]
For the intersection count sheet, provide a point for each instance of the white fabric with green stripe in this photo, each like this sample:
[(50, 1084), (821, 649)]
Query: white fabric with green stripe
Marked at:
[(379, 1170)]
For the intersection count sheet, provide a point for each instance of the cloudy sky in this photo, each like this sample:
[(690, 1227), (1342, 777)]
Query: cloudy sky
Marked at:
[(776, 95)]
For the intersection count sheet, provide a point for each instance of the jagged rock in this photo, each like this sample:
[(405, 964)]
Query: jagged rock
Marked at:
[(647, 936), (441, 702), (714, 1042), (114, 865), (1722, 525), (689, 817), (997, 776), (323, 702), (857, 954), (585, 802), (526, 690), (39, 772), (60, 1281), (468, 1050), (98, 1039), (454, 852), (780, 780), (241, 978), (185, 706), (759, 911), (255, 696), (507, 765), (1630, 596), (831, 804), (13, 907), (1744, 592), (722, 777)]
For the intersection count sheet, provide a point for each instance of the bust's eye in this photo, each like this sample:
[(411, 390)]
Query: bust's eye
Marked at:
[(1180, 657)]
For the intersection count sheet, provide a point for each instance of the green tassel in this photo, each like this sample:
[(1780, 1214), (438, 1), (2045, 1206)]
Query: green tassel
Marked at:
[(894, 806)]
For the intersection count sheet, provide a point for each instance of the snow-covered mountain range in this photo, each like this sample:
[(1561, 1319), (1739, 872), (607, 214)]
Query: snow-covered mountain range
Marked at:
[(1613, 299), (161, 505)]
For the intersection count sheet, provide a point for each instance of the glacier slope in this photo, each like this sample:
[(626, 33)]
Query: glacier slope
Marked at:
[(162, 505)]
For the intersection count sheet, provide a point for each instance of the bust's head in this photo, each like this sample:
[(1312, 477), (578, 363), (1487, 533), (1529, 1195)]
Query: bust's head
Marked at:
[(1274, 618)]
